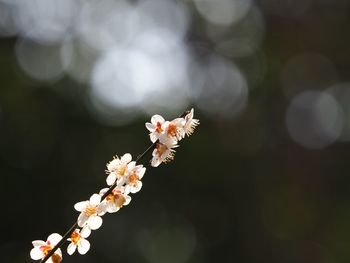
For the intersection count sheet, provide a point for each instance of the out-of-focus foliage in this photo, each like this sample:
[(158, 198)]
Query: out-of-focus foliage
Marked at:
[(265, 177)]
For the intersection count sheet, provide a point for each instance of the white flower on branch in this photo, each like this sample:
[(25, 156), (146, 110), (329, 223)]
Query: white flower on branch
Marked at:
[(42, 248), (78, 240), (91, 212)]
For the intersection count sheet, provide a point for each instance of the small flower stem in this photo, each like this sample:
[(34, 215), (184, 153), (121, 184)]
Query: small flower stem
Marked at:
[(75, 225)]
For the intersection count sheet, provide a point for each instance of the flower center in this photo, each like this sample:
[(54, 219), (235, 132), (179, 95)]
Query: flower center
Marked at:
[(172, 130), (122, 170), (117, 198), (46, 248), (90, 210), (75, 237), (133, 178), (161, 148), (159, 127)]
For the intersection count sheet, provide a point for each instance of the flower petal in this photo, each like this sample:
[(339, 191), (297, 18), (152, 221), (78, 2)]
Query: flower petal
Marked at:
[(38, 243), (127, 200), (111, 178), (71, 248), (95, 199), (85, 232), (36, 253), (155, 161), (80, 206), (111, 207), (102, 208), (131, 165), (83, 246), (153, 137), (82, 218), (54, 239), (95, 222), (126, 158), (111, 166), (141, 172), (157, 118), (103, 191), (151, 127), (137, 187)]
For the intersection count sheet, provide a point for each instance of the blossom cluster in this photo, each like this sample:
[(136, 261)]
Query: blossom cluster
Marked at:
[(123, 178), (167, 134)]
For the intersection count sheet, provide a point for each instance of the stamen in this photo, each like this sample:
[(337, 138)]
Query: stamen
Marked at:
[(159, 127), (90, 210), (75, 237)]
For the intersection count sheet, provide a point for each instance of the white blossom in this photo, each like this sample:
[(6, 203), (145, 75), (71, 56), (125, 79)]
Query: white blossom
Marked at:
[(190, 123), (78, 240), (156, 127), (133, 181), (162, 153), (118, 169), (91, 212), (116, 199), (43, 248)]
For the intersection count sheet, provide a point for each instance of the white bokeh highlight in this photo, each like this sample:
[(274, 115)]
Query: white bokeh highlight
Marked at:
[(314, 119)]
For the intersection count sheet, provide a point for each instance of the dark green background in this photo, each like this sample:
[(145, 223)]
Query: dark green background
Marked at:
[(239, 190)]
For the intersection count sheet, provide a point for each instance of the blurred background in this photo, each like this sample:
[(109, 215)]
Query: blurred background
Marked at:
[(265, 177)]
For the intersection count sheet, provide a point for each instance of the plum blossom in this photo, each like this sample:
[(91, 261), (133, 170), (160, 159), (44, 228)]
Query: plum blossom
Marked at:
[(156, 127), (175, 129), (78, 240), (118, 169), (91, 212), (116, 199), (162, 153), (190, 123), (42, 249), (133, 181)]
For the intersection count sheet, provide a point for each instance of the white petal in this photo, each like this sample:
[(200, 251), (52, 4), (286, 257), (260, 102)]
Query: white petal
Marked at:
[(127, 200), (151, 127), (180, 122), (36, 253), (121, 181), (138, 186), (85, 231), (131, 165), (141, 172), (111, 178), (71, 248), (102, 208), (112, 165), (95, 222), (38, 243), (82, 218), (83, 246), (127, 189), (157, 118), (153, 137), (95, 199), (80, 206), (126, 158), (155, 162), (112, 208), (103, 191), (54, 239)]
